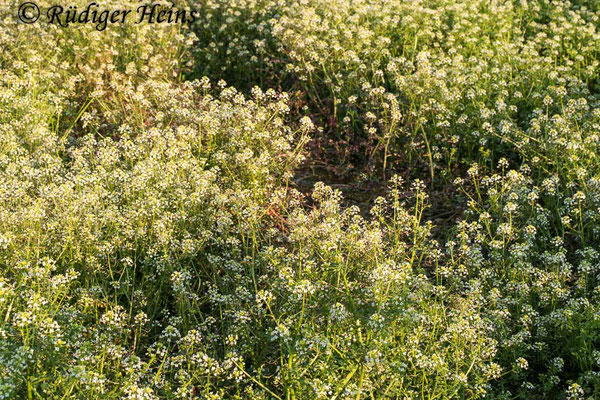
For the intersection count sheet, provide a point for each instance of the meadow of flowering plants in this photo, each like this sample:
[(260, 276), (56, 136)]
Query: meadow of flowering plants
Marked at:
[(302, 199)]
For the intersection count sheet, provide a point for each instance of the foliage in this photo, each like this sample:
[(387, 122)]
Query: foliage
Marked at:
[(154, 243)]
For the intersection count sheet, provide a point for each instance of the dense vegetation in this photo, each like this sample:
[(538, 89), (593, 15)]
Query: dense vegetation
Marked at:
[(303, 199)]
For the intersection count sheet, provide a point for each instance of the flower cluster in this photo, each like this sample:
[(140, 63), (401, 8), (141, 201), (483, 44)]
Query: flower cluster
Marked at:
[(423, 84)]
